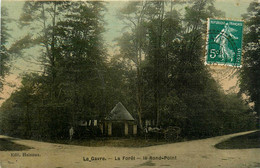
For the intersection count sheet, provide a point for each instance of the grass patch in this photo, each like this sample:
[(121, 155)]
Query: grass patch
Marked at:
[(247, 141), (114, 142), (7, 145)]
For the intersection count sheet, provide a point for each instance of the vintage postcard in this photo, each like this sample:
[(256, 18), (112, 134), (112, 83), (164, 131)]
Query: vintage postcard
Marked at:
[(128, 84)]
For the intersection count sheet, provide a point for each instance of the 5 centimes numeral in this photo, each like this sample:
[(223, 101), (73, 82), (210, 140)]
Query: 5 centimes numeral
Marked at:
[(224, 42)]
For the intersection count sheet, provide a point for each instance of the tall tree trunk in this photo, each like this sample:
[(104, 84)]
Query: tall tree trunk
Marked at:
[(53, 70), (257, 109), (28, 121), (158, 67), (139, 97)]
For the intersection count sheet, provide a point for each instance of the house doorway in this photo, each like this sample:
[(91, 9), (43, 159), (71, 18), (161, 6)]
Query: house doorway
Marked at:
[(118, 129)]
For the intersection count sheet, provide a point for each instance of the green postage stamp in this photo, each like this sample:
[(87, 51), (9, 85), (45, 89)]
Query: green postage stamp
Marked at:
[(224, 42)]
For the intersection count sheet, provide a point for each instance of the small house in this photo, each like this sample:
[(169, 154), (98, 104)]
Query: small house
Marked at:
[(119, 122)]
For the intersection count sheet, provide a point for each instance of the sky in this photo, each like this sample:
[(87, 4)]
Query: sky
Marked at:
[(232, 8)]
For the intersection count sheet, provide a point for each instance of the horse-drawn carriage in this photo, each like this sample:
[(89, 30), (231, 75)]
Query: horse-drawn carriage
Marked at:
[(171, 133)]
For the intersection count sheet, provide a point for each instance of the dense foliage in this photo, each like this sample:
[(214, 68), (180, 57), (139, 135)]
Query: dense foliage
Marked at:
[(4, 54), (158, 74), (250, 81), (172, 85)]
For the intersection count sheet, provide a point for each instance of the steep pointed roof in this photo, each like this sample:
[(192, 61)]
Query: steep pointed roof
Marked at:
[(118, 113)]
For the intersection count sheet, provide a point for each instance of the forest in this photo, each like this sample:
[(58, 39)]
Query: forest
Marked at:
[(158, 72)]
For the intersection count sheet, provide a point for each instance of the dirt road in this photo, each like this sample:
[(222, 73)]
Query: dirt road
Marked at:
[(191, 154)]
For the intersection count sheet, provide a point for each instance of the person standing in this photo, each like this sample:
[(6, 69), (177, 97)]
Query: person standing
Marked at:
[(71, 132)]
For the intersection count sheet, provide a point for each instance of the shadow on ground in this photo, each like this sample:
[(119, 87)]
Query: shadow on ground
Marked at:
[(7, 145), (247, 141)]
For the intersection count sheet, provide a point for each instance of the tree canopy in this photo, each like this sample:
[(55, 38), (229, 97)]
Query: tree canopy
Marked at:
[(159, 73), (4, 53), (250, 82)]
